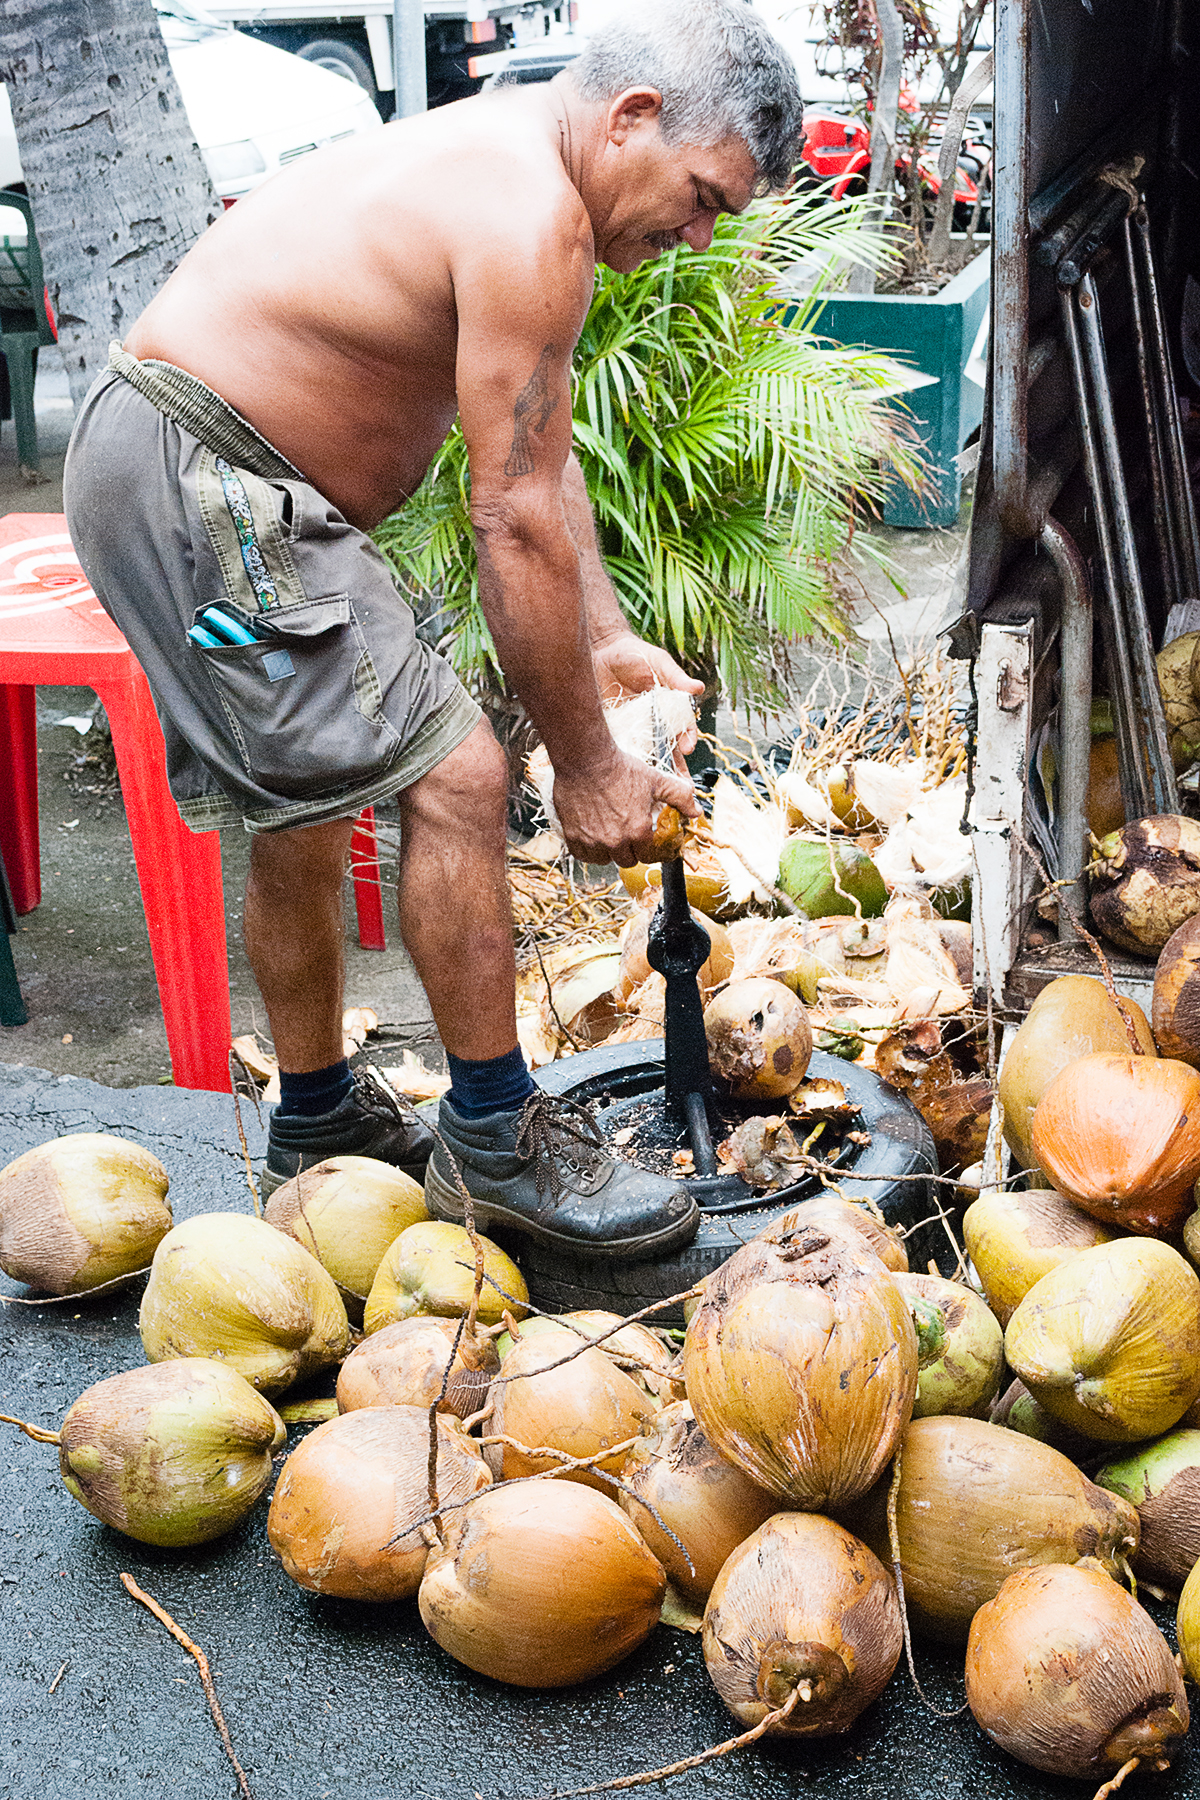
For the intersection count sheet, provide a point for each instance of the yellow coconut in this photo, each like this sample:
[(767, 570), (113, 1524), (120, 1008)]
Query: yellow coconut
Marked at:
[(81, 1210), (431, 1269), (346, 1211), (231, 1287)]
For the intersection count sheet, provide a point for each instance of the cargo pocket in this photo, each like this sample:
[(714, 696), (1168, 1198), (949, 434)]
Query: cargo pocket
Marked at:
[(303, 701)]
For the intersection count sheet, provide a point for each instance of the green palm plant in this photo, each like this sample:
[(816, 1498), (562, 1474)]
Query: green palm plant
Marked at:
[(729, 452)]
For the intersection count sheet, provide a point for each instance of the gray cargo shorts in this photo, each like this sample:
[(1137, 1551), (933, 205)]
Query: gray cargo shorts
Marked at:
[(175, 503)]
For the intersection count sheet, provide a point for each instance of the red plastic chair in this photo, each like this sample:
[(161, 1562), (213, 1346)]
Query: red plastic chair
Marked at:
[(53, 630)]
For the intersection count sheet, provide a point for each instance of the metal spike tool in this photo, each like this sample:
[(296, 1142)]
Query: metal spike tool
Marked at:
[(678, 948)]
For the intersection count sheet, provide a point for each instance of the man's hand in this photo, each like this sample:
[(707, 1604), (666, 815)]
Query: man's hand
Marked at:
[(625, 665), (608, 816)]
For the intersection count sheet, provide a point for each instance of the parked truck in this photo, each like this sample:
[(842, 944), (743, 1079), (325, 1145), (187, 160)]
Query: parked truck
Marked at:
[(465, 40)]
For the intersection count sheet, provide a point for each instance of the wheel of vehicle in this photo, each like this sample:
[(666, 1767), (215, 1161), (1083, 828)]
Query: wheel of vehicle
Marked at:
[(892, 1170), (340, 59)]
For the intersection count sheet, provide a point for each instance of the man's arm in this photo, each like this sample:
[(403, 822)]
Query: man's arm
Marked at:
[(625, 663), (520, 309)]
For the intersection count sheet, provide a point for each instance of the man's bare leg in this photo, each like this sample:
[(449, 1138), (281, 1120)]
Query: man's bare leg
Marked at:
[(294, 939), (455, 916)]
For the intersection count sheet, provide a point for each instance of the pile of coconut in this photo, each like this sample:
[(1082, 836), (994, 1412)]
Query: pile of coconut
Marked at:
[(835, 1444)]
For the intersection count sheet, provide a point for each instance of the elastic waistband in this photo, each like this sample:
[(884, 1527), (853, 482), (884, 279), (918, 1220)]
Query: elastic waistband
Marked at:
[(185, 399)]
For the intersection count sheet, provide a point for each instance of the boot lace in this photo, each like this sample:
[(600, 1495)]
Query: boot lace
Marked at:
[(547, 1131), (376, 1098)]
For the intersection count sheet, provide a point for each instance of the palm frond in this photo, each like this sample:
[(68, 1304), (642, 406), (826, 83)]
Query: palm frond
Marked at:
[(728, 448)]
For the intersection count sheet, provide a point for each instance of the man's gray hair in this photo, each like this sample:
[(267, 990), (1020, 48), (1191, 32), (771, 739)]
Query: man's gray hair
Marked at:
[(719, 70)]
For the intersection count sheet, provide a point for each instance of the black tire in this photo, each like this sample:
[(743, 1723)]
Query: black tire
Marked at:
[(893, 1171), (341, 59)]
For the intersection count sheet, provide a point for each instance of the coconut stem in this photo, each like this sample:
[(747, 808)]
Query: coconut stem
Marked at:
[(1091, 942), (1110, 1787), (897, 1571), (210, 1693), (82, 1294), (35, 1432), (237, 1113), (690, 1762)]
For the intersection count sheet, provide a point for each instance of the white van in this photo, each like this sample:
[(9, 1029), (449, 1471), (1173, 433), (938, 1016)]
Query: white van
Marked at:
[(252, 107)]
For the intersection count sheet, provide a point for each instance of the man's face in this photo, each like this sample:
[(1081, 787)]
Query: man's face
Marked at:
[(668, 194)]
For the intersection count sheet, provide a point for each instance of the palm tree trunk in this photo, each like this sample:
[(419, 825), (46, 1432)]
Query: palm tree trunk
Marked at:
[(118, 187), (883, 131)]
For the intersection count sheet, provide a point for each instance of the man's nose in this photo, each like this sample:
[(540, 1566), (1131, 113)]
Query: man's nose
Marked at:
[(698, 232)]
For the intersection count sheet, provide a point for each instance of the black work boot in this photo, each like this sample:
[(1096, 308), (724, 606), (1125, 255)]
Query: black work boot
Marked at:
[(367, 1123), (544, 1170)]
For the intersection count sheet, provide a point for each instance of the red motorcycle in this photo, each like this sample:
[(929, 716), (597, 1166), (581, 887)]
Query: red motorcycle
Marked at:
[(837, 147)]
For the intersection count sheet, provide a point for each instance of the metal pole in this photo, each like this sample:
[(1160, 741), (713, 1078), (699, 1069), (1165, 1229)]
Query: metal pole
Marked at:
[(1075, 709), (408, 57)]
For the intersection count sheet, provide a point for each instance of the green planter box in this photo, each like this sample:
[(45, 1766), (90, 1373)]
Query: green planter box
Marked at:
[(944, 337)]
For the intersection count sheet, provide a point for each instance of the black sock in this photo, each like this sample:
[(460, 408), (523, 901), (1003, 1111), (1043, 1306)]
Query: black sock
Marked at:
[(497, 1084), (316, 1091)]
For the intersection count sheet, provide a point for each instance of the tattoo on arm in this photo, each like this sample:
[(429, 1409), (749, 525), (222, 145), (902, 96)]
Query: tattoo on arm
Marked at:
[(535, 403)]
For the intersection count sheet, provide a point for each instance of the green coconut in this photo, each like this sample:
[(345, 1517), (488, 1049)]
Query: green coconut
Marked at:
[(831, 876), (172, 1454), (1163, 1481), (960, 1347)]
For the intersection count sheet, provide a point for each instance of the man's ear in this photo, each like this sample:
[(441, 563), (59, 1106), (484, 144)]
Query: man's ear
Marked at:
[(635, 108)]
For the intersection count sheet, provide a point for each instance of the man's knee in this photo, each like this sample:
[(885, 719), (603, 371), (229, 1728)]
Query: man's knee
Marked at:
[(469, 787), (292, 862)]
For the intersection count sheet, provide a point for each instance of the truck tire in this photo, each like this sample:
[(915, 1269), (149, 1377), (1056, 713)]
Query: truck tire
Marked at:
[(341, 59), (893, 1171)]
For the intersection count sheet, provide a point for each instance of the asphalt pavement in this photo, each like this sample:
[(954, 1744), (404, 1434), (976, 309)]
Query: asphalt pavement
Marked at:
[(324, 1699)]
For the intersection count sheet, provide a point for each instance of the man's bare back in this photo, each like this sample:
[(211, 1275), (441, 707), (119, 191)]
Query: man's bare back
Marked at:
[(324, 306)]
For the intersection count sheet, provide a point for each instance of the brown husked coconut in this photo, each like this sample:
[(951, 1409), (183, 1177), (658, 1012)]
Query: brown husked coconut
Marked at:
[(802, 1607), (759, 1038), (1146, 881), (1175, 1012), (81, 1210), (405, 1365)]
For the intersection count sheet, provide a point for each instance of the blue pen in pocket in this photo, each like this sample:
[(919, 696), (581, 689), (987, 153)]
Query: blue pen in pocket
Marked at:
[(205, 639)]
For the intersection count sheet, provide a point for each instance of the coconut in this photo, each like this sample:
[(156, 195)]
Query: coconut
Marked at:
[(802, 1607), (801, 1364), (231, 1287), (344, 1510), (709, 1505), (579, 1408), (1070, 1018), (1120, 1136), (976, 1502), (830, 1213), (1017, 1410), (173, 1454), (405, 1365), (1175, 662), (1067, 1672), (1163, 1481), (759, 1038), (635, 967), (431, 1269), (705, 876), (1105, 804), (1013, 1239), (960, 1347), (1146, 881), (80, 1211), (1187, 1624), (346, 1211), (1110, 1341), (826, 876), (1176, 1005), (643, 1356), (541, 1584)]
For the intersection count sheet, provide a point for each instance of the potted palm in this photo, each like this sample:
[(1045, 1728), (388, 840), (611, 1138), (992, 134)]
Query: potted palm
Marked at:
[(730, 453)]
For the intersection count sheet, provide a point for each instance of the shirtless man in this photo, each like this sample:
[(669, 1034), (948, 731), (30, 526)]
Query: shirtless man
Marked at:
[(285, 391)]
